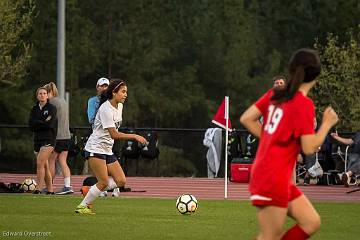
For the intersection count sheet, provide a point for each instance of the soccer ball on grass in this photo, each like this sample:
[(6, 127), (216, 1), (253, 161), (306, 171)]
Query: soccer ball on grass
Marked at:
[(28, 185), (186, 204)]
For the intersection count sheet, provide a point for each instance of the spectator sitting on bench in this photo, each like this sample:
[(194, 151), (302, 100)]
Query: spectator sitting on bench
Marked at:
[(353, 167)]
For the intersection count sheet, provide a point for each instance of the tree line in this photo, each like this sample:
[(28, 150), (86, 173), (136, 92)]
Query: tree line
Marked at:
[(180, 58)]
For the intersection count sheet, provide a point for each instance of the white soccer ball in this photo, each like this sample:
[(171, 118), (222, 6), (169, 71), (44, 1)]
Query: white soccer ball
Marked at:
[(186, 204), (28, 185)]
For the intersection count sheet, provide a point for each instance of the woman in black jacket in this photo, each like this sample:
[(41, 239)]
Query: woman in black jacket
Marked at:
[(43, 122)]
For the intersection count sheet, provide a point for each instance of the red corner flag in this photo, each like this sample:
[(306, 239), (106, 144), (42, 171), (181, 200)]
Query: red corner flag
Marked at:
[(223, 114)]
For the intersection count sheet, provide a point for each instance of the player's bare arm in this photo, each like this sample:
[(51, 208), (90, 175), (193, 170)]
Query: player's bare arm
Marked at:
[(124, 136), (310, 143), (251, 120)]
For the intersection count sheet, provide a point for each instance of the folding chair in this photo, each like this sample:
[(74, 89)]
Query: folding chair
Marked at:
[(300, 171), (342, 153), (355, 178)]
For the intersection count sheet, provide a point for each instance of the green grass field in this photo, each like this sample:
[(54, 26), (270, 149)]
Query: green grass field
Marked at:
[(138, 218)]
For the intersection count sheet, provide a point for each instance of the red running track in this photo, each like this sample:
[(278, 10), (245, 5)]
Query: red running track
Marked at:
[(202, 188)]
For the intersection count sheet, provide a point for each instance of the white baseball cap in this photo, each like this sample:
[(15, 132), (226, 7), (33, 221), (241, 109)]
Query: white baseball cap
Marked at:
[(102, 81)]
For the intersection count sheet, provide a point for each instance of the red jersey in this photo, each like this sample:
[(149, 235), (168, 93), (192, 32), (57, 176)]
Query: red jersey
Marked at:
[(279, 146)]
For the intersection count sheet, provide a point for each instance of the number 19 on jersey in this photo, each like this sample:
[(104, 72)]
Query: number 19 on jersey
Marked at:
[(274, 116)]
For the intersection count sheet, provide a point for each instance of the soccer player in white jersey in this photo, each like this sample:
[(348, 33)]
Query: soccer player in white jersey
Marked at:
[(98, 148)]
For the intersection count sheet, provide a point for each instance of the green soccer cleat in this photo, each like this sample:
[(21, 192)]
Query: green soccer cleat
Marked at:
[(83, 210)]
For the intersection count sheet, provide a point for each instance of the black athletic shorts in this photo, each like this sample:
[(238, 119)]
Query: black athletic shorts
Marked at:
[(108, 158), (44, 143), (62, 145)]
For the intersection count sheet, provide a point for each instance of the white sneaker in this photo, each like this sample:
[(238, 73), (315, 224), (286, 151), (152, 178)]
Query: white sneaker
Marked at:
[(116, 192), (103, 194)]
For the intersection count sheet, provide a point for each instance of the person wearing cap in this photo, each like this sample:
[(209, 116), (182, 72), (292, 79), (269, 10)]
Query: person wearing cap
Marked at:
[(93, 105), (93, 102)]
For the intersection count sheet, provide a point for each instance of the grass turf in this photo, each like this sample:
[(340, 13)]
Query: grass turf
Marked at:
[(140, 218)]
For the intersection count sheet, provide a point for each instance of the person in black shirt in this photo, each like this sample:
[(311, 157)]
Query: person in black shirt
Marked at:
[(43, 123)]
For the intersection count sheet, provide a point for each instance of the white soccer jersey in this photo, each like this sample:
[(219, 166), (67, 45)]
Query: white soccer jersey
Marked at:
[(100, 140)]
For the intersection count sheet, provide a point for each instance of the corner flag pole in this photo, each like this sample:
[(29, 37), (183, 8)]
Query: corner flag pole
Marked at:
[(221, 119), (226, 144)]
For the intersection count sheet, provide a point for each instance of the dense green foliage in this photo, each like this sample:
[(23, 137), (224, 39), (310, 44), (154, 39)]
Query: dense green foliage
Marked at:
[(15, 21), (339, 82), (137, 218), (179, 57)]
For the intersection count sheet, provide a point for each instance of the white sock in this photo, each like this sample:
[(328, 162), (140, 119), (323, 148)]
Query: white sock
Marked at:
[(93, 193), (111, 184), (67, 182)]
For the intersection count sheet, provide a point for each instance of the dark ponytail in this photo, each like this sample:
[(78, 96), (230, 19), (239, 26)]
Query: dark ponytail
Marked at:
[(304, 66)]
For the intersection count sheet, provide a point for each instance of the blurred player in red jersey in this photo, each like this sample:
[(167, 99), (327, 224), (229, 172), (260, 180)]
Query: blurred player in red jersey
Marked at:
[(288, 128)]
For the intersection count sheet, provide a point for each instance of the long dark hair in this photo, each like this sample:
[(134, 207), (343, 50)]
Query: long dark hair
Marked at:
[(114, 87), (304, 66)]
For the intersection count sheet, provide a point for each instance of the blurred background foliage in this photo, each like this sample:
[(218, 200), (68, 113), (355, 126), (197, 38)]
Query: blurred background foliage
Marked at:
[(179, 57)]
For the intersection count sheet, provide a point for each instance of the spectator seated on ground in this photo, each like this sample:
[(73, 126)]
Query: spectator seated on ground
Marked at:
[(352, 168)]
